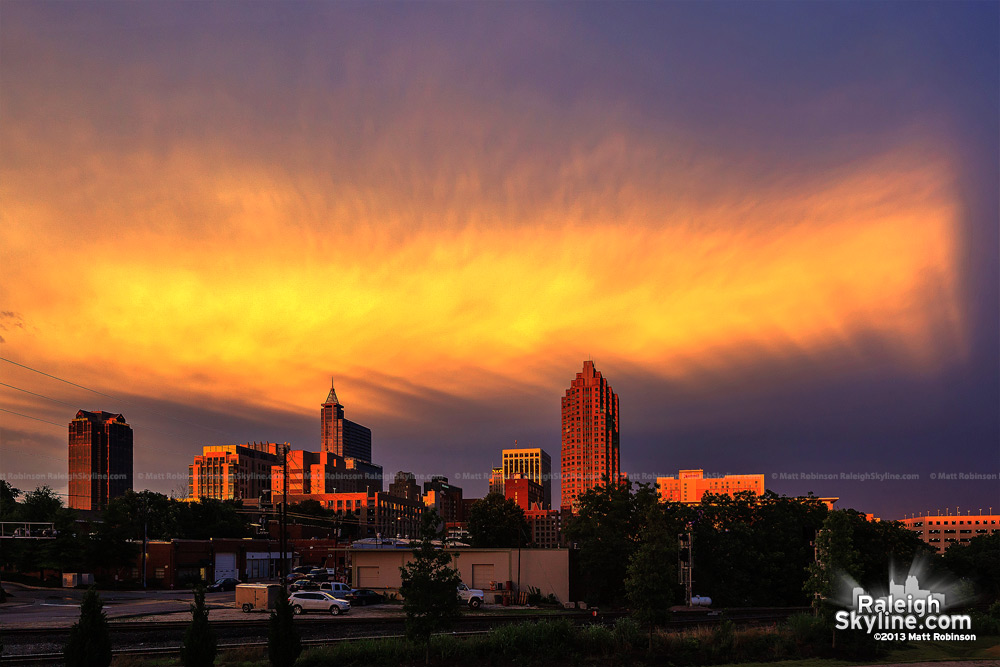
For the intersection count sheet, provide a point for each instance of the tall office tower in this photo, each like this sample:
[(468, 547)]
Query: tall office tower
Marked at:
[(496, 480), (405, 486), (590, 447), (534, 464), (342, 436), (100, 459)]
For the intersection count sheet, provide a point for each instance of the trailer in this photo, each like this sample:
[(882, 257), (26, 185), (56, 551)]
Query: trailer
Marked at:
[(257, 596)]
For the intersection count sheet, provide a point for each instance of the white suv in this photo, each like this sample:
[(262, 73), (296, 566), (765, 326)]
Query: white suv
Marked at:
[(473, 596), (317, 601)]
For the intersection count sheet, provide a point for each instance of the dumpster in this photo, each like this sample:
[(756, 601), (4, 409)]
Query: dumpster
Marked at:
[(257, 596)]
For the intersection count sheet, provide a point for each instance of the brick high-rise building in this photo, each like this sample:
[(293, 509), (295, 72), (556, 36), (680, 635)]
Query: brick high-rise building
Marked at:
[(405, 486), (590, 445), (535, 464), (100, 459), (342, 436)]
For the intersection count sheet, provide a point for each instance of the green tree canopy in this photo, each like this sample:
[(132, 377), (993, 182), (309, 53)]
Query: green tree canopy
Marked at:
[(497, 522), (429, 585)]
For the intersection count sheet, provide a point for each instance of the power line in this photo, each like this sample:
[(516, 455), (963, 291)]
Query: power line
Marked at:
[(55, 400), (101, 393), (45, 421)]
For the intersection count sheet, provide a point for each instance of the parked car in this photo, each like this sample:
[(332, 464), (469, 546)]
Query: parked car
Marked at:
[(227, 584), (294, 576), (302, 569), (318, 574), (338, 589), (472, 596), (317, 601), (364, 597), (303, 585)]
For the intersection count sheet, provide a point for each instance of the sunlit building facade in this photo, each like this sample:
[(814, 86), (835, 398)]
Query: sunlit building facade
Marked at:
[(943, 530), (533, 463), (100, 459), (590, 435), (325, 473), (233, 472), (690, 485), (496, 481), (341, 436), (526, 493)]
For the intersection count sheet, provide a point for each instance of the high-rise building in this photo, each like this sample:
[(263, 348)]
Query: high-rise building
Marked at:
[(534, 464), (496, 480), (342, 436), (590, 443), (405, 486), (445, 498), (100, 459), (233, 472)]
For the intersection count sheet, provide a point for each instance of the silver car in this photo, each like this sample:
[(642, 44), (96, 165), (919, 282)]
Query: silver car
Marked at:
[(304, 601)]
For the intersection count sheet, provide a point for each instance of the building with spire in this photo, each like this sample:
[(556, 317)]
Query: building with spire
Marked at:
[(342, 436), (590, 442)]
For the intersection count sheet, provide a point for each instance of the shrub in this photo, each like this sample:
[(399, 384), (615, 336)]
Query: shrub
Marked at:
[(283, 642), (89, 642), (199, 645)]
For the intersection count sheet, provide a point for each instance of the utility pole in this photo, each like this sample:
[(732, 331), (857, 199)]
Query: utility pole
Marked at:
[(685, 563), (282, 521)]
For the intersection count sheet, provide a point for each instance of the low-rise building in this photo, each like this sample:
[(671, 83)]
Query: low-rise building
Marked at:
[(690, 485), (943, 530), (491, 570), (525, 492)]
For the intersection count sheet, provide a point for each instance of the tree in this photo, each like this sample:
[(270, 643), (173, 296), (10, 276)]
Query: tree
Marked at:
[(978, 562), (651, 577), (8, 500), (607, 528), (89, 643), (199, 645), (429, 586), (850, 544), (497, 522), (283, 641)]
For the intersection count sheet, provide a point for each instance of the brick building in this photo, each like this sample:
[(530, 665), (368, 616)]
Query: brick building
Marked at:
[(533, 463), (590, 435)]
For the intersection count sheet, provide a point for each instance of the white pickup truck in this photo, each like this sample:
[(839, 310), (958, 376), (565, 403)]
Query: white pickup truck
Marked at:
[(471, 596)]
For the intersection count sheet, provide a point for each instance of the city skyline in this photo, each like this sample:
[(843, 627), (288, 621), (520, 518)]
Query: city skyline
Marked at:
[(772, 225)]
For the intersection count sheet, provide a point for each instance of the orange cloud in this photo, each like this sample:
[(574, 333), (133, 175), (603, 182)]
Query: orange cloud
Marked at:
[(269, 282)]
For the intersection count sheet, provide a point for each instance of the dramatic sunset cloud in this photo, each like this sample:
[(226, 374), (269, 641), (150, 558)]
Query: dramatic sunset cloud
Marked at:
[(208, 210)]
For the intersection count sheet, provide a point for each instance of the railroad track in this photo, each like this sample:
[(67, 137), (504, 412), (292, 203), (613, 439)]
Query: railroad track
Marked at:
[(319, 631)]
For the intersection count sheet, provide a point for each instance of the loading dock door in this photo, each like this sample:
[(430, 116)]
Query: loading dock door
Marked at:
[(225, 566), (482, 575), (368, 577)]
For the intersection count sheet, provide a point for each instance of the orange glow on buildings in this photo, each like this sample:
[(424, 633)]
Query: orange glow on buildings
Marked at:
[(590, 446), (943, 530), (690, 485), (100, 459), (233, 472)]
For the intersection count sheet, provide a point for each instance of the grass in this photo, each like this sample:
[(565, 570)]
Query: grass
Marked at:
[(557, 642)]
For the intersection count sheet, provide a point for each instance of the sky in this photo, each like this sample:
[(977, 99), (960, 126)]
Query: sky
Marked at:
[(773, 227)]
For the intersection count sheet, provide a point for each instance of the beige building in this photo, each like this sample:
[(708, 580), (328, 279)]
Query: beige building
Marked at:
[(690, 485), (943, 530), (233, 472), (545, 569)]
